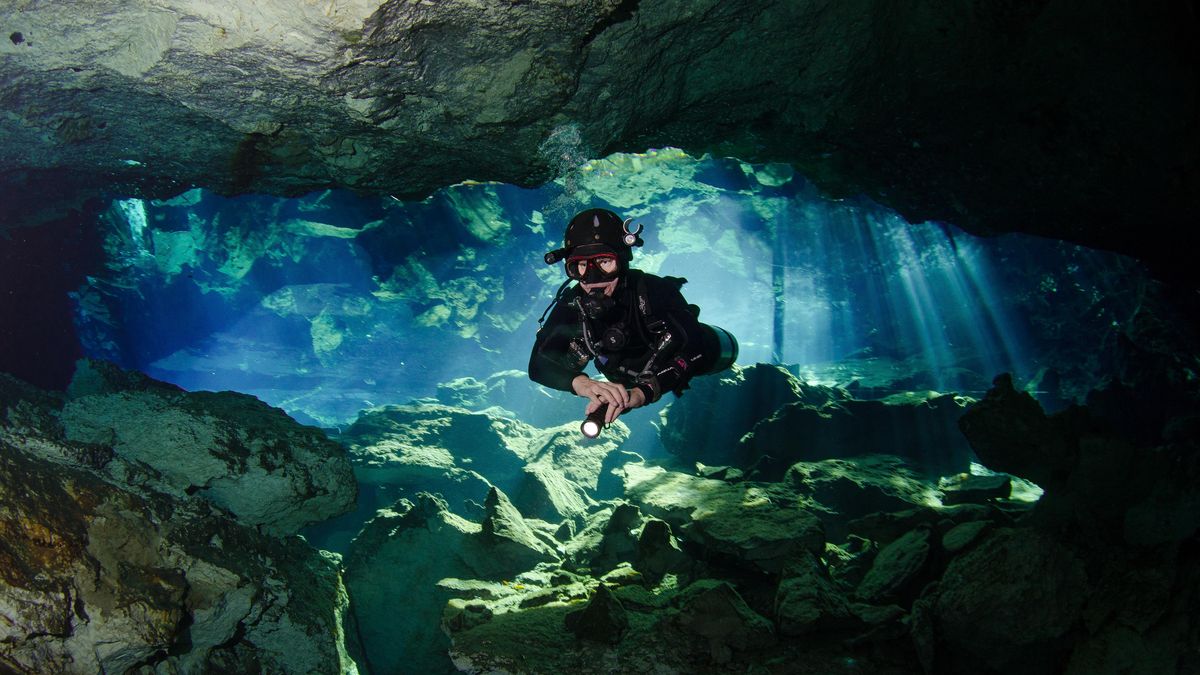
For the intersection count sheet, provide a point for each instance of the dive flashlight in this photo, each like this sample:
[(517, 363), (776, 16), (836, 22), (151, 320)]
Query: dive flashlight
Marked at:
[(594, 424)]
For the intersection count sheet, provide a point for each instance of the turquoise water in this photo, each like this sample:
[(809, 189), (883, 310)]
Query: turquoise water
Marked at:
[(327, 304)]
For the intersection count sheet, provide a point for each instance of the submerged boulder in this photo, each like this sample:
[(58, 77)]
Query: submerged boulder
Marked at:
[(393, 568), (427, 447), (851, 488), (897, 569), (924, 433), (705, 424), (1011, 604), (232, 449), (714, 610), (807, 600), (759, 526), (602, 620)]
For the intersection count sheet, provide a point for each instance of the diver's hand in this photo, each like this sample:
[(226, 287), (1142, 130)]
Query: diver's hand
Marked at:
[(637, 398), (600, 393)]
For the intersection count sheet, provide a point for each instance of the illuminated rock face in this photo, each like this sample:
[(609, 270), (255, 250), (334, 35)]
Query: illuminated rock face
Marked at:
[(101, 571), (230, 449), (994, 119)]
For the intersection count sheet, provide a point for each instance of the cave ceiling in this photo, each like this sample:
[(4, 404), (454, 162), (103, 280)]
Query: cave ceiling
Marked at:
[(1063, 119)]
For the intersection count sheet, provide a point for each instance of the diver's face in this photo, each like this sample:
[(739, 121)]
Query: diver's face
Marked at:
[(607, 287), (598, 273)]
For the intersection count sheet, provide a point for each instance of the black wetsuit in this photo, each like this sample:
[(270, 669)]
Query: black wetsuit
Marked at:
[(562, 350)]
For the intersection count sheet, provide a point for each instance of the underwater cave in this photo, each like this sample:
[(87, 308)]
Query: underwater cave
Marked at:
[(271, 274)]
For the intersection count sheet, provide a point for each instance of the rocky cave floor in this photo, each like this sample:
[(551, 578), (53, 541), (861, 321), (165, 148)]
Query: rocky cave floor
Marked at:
[(151, 530)]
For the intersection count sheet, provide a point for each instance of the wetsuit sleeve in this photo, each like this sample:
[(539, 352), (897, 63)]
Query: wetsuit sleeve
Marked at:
[(689, 356), (552, 363)]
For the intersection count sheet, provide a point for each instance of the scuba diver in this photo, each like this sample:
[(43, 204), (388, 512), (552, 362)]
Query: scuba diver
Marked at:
[(638, 328)]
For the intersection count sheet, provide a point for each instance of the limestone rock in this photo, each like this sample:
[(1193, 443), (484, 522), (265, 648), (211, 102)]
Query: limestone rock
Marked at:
[(97, 577), (505, 532), (549, 495), (1096, 478), (807, 600), (739, 398), (512, 392), (963, 535), (658, 551), (896, 568), (885, 528), (802, 432), (602, 620), (978, 489), (548, 473), (232, 449), (1009, 432), (401, 555), (367, 95), (714, 610), (618, 542), (851, 488), (758, 525), (1018, 615)]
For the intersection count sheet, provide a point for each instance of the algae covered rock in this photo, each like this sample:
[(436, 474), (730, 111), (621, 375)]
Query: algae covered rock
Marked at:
[(808, 600), (854, 487), (714, 610), (977, 489), (658, 551), (505, 532), (229, 448), (602, 620), (761, 526), (402, 554)]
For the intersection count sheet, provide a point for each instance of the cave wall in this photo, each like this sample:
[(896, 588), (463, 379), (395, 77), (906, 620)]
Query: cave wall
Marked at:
[(1060, 119)]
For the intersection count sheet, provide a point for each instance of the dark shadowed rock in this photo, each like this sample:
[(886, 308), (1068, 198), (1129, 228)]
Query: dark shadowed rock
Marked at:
[(1097, 480), (370, 96), (925, 434), (1011, 604), (898, 569), (808, 600), (739, 399), (1010, 433), (602, 620), (963, 535), (714, 610), (658, 552)]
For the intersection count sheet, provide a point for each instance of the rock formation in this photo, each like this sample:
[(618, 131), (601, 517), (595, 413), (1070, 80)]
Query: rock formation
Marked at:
[(229, 448), (107, 566), (993, 119)]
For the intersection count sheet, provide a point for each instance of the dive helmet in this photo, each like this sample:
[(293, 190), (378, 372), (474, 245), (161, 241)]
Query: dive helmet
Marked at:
[(595, 232)]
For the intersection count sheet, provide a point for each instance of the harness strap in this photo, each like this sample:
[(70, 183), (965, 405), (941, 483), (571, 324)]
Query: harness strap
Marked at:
[(557, 297)]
